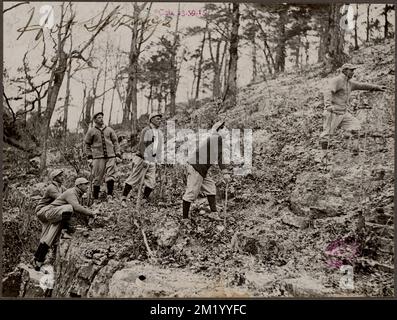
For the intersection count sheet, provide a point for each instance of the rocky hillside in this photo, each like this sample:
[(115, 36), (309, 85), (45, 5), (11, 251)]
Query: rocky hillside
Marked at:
[(288, 227)]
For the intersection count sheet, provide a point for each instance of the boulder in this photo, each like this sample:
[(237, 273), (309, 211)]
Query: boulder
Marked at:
[(292, 220), (26, 282), (317, 195), (100, 285), (166, 233), (306, 287)]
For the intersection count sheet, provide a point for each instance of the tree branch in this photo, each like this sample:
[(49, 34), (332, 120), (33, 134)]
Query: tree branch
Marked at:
[(9, 107), (14, 6)]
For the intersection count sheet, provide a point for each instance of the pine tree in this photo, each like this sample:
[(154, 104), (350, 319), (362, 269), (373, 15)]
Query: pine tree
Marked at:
[(231, 89)]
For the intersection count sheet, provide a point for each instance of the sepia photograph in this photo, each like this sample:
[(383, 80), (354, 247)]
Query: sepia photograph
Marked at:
[(198, 150)]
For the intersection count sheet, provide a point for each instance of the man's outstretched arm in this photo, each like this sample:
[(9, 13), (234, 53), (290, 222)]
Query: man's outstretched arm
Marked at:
[(355, 85)]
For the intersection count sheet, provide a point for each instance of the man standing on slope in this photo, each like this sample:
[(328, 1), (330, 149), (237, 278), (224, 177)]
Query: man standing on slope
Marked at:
[(144, 165), (102, 148), (207, 154), (336, 100)]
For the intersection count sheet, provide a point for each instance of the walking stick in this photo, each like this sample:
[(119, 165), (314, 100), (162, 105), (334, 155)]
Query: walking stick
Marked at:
[(138, 200), (137, 208), (225, 207), (90, 191), (161, 183)]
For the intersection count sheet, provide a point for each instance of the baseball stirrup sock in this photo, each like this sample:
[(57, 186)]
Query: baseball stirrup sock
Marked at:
[(110, 186), (147, 191), (127, 189), (212, 202), (186, 207), (95, 192)]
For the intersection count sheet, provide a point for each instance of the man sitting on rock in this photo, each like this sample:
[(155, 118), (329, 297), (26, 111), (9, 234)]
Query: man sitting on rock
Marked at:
[(336, 100), (60, 212)]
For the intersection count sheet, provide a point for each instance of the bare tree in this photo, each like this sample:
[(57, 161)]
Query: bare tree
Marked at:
[(368, 25), (67, 93), (355, 29), (231, 89), (174, 65), (105, 73), (200, 65), (60, 63), (141, 30), (385, 12)]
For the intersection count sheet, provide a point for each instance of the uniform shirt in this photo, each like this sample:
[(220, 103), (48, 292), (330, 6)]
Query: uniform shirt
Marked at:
[(207, 154), (72, 196), (51, 193), (150, 144), (101, 143), (337, 92)]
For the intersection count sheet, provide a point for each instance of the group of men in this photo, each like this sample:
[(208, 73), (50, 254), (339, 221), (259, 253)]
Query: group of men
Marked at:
[(102, 148)]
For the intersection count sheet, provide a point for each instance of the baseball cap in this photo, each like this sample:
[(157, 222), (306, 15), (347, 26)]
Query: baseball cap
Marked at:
[(97, 114), (155, 114), (55, 173), (349, 66), (80, 181)]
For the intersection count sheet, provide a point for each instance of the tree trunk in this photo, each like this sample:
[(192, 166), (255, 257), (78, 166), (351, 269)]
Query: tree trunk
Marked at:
[(297, 52), (134, 100), (324, 35), (368, 23), (355, 29), (253, 53), (131, 82), (337, 39), (131, 97), (280, 47), (67, 98), (266, 49), (269, 67), (159, 99), (231, 90), (149, 98), (87, 113), (94, 87), (105, 75), (216, 93), (216, 80), (332, 40), (111, 105), (54, 85), (386, 22), (225, 67), (199, 67), (307, 46), (192, 88), (174, 67)]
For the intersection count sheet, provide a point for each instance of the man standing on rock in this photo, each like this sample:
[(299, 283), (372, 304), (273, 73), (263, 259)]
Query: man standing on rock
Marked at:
[(208, 153), (144, 162), (50, 231), (336, 100), (102, 148), (60, 212)]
